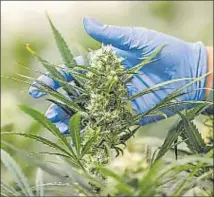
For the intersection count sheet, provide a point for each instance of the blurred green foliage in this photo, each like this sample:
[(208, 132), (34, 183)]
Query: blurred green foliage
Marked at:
[(165, 10), (19, 56)]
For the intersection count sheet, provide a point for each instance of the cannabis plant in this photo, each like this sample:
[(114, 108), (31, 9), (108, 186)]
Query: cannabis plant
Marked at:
[(99, 105)]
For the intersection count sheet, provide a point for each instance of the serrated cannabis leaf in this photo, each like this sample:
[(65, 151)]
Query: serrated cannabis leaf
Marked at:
[(194, 140), (86, 148), (74, 128), (178, 129), (62, 46)]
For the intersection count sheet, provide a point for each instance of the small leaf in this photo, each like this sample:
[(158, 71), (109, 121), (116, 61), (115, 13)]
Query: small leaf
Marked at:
[(194, 140), (62, 46), (74, 127), (18, 175), (39, 183), (87, 146)]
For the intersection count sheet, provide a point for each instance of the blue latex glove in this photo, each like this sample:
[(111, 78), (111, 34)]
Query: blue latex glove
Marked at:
[(178, 59)]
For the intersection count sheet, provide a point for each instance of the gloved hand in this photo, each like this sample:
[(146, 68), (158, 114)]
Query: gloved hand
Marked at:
[(178, 59)]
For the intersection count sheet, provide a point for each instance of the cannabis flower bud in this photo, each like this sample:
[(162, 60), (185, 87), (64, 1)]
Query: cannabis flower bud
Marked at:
[(107, 107)]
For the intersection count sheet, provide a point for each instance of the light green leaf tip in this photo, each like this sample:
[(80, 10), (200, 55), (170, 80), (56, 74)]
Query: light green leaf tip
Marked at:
[(62, 46)]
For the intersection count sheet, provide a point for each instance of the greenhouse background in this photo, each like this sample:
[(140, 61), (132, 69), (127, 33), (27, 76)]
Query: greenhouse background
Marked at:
[(25, 22)]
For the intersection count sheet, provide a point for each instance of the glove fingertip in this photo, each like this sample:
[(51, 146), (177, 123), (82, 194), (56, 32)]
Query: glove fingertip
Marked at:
[(63, 128), (51, 115), (35, 93), (93, 27), (55, 113)]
